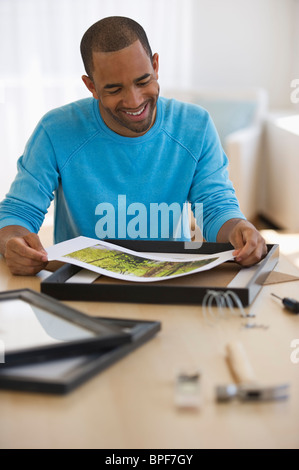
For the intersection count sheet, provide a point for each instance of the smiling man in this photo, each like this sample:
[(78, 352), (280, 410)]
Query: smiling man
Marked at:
[(125, 84), (114, 159)]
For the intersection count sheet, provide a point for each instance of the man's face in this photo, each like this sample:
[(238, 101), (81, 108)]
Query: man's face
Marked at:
[(125, 83)]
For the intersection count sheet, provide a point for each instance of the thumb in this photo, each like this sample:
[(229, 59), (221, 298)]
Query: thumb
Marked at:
[(237, 240)]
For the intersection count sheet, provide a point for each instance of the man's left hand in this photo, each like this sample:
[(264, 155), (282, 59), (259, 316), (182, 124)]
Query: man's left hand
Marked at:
[(250, 246)]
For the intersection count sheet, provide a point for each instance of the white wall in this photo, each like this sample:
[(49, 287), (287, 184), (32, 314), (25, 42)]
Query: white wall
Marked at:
[(246, 43), (295, 60), (225, 43), (41, 66)]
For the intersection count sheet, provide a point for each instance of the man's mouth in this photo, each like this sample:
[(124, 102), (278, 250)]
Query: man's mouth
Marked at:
[(137, 113)]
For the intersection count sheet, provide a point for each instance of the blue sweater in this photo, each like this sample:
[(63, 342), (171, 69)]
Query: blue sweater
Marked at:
[(107, 185)]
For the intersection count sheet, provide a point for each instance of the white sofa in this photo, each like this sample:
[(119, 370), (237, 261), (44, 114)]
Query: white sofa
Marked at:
[(281, 189), (239, 116)]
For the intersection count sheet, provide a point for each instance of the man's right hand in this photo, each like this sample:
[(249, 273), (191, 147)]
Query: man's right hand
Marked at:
[(23, 252)]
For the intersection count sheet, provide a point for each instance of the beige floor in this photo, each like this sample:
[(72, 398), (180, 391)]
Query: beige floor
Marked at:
[(46, 233), (288, 241)]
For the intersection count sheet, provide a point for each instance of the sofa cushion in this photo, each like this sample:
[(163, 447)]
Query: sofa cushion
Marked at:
[(229, 115)]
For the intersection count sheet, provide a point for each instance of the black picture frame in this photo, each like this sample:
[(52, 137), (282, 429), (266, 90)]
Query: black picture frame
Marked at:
[(61, 377), (163, 292), (100, 335)]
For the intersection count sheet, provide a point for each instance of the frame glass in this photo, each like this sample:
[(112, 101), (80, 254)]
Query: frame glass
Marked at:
[(35, 327)]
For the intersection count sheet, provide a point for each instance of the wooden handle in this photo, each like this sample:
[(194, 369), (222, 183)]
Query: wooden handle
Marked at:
[(239, 363)]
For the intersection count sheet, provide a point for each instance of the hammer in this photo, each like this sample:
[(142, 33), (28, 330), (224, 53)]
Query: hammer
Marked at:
[(246, 387)]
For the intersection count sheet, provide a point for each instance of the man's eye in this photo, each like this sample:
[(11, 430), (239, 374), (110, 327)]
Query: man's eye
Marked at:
[(144, 83), (113, 92)]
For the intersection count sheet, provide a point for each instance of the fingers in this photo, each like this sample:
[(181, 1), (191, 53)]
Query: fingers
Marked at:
[(25, 255), (251, 253), (250, 245)]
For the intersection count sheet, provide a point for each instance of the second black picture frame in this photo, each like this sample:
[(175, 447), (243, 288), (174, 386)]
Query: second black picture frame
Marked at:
[(62, 376)]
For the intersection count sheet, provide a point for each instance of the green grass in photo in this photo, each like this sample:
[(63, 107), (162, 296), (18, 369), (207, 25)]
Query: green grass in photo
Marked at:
[(127, 264)]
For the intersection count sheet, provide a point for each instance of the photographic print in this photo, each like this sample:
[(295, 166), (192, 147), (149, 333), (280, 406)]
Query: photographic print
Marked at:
[(118, 262)]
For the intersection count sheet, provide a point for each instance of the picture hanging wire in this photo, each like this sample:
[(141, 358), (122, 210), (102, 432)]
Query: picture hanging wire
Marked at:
[(222, 300)]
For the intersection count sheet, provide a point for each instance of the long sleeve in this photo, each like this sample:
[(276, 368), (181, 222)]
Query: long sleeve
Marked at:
[(32, 190), (211, 186)]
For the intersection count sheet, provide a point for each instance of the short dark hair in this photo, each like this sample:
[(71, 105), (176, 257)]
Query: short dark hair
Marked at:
[(109, 35)]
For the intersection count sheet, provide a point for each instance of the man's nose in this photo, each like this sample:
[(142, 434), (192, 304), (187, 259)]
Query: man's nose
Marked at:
[(132, 98)]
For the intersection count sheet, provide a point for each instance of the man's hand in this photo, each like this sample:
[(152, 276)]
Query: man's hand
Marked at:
[(23, 252), (250, 247)]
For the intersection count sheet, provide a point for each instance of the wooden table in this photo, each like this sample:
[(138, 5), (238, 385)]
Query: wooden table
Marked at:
[(131, 404)]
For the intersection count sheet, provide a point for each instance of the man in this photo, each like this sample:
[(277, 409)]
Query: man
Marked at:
[(125, 146)]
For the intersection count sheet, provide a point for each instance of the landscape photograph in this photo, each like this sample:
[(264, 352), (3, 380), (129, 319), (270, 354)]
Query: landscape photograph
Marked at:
[(128, 264)]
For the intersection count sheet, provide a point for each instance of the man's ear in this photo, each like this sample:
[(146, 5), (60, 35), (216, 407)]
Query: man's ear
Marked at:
[(156, 64), (90, 86)]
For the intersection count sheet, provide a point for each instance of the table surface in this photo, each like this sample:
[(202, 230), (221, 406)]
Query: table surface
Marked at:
[(131, 404)]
